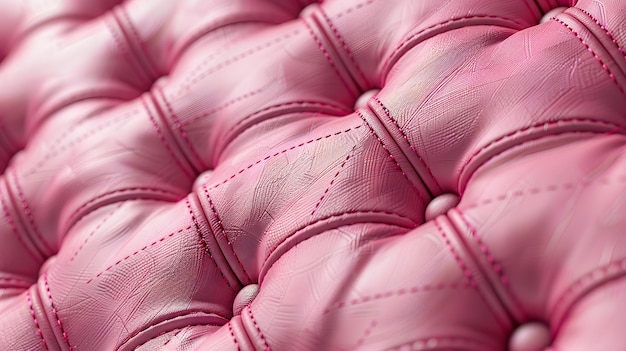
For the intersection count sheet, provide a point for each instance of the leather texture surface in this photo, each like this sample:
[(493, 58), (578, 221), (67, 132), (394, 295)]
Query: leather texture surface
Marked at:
[(295, 175)]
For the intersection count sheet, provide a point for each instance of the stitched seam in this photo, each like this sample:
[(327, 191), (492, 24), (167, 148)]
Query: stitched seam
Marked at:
[(260, 333), (400, 47), (536, 126), (344, 45), (118, 191), (205, 245), (180, 127), (176, 334), (16, 280), (396, 293), (162, 239), (195, 77), (141, 44), (242, 170), (91, 234), (13, 226), (222, 229), (406, 138), (466, 271), (391, 157), (328, 58), (580, 285), (366, 333), (119, 42), (223, 106), (27, 210), (619, 48), (76, 141), (356, 7), (285, 104), (163, 140), (604, 66), (317, 205), (32, 313), (56, 315), (232, 335)]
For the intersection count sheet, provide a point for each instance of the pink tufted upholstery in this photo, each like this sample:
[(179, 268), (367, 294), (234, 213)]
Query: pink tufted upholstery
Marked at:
[(193, 175)]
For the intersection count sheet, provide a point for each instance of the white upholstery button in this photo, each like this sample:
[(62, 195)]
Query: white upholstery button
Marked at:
[(530, 337), (552, 13), (361, 102), (440, 205), (244, 298)]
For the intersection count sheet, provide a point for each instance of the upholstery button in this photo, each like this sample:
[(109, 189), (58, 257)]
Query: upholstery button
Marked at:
[(530, 337), (202, 179), (361, 102), (552, 13), (440, 205), (244, 298)]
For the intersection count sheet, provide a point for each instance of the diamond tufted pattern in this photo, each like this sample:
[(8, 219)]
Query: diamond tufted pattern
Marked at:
[(295, 175)]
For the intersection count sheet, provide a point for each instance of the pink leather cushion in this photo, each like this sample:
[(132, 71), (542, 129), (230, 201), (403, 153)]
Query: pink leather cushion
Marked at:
[(193, 175)]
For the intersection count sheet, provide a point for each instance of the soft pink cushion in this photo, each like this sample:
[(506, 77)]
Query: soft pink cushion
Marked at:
[(279, 175)]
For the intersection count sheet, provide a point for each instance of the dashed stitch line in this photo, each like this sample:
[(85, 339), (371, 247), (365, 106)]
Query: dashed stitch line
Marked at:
[(221, 228), (395, 293), (27, 210), (595, 55), (205, 245), (32, 313), (56, 315), (242, 170), (356, 7), (406, 138), (13, 226), (317, 205), (345, 46), (152, 74), (223, 106), (541, 126), (392, 158), (619, 48), (466, 271), (400, 47), (232, 334), (162, 239), (256, 326), (91, 234), (328, 58), (366, 333)]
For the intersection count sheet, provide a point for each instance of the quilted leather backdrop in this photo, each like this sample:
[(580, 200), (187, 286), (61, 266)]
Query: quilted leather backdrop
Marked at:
[(279, 175)]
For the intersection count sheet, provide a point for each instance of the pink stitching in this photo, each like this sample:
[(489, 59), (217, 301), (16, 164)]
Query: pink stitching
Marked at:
[(95, 230), (162, 239), (296, 103), (497, 268), (180, 330), (221, 227), (328, 58), (399, 292), (232, 334), (13, 226), (124, 190), (366, 333), (136, 332), (279, 153), (536, 126), (604, 66), (466, 271), (163, 140), (205, 245), (329, 185), (32, 313), (345, 46), (194, 77), (180, 127), (400, 47), (606, 31), (406, 138), (29, 214), (223, 106), (392, 158), (267, 347), (118, 41), (15, 280), (142, 47), (356, 7), (56, 315)]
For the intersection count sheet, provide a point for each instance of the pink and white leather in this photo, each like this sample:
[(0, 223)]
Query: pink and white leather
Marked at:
[(301, 175)]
